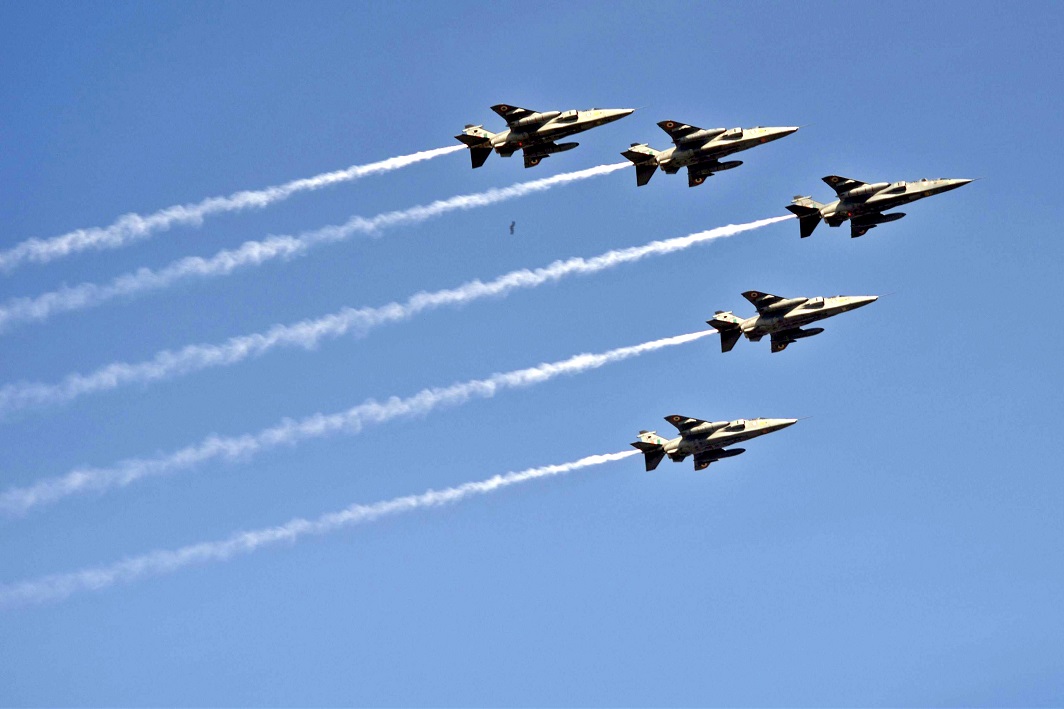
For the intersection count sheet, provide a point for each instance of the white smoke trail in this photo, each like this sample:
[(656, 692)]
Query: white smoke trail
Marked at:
[(156, 563), (289, 431), (136, 227), (309, 333), (255, 253)]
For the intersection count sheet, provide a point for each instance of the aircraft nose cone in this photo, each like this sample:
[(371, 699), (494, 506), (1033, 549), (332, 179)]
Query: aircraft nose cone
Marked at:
[(615, 114), (954, 184), (865, 299), (780, 424), (787, 130)]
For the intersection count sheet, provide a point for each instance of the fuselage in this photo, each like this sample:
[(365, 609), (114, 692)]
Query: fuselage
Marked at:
[(728, 433), (811, 310), (886, 196), (560, 126), (728, 142)]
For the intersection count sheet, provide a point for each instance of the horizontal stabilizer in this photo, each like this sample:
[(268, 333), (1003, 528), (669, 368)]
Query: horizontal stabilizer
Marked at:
[(478, 141), (479, 155), (729, 328), (728, 338), (646, 162), (643, 173), (652, 453), (808, 217)]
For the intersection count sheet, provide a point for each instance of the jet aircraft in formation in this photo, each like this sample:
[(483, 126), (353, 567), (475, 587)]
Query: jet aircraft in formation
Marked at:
[(863, 203), (782, 318), (699, 150), (533, 132), (705, 440)]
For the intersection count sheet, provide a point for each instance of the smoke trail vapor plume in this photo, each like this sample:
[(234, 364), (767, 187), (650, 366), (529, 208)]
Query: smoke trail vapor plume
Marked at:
[(136, 227), (309, 333), (255, 253), (351, 421), (156, 563)]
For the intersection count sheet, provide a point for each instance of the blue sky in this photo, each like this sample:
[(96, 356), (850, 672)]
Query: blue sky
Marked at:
[(900, 547)]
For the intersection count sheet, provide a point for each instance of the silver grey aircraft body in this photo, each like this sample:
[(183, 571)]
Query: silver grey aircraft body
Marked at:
[(863, 203), (534, 132), (699, 150), (705, 440), (782, 318)]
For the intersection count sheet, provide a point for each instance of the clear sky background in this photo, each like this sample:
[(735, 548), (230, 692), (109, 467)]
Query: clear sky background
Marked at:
[(903, 546)]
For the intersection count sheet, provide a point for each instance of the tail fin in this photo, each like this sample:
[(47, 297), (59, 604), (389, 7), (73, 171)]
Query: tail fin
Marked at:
[(478, 141), (645, 159), (653, 447), (808, 212), (729, 327)]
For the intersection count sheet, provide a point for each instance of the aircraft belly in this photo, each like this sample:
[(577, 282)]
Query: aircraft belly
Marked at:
[(803, 319), (549, 133), (712, 152), (699, 446), (767, 326), (892, 202), (723, 150)]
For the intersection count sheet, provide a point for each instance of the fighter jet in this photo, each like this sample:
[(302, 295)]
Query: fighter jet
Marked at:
[(534, 133), (699, 150), (863, 204), (782, 318), (703, 439)]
